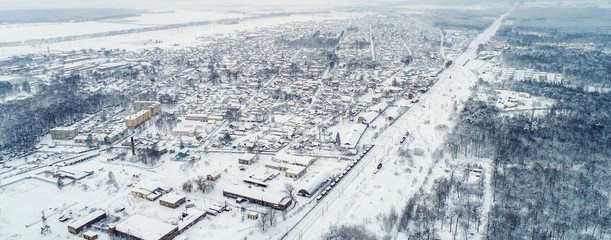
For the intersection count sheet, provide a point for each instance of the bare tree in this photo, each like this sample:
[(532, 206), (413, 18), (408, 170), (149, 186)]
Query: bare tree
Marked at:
[(289, 189), (204, 185), (263, 221), (187, 186), (271, 215)]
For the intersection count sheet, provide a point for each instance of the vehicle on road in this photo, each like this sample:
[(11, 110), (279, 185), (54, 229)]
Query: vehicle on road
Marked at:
[(378, 168)]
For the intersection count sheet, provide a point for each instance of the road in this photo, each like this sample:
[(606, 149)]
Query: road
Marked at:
[(360, 186)]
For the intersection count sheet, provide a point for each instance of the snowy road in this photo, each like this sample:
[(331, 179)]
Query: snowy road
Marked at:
[(361, 195)]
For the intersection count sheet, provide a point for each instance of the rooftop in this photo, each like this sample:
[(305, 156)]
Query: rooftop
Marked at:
[(144, 227)]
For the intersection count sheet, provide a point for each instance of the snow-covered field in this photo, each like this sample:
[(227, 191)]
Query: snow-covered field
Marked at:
[(169, 39)]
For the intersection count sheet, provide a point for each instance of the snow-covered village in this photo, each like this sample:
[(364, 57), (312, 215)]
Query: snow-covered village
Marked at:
[(288, 120)]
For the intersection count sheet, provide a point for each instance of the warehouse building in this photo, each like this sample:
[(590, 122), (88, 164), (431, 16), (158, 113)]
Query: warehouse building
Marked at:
[(78, 225), (141, 227), (254, 195), (303, 161), (315, 184), (189, 219)]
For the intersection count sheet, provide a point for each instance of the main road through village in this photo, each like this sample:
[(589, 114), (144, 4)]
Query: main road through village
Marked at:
[(354, 200)]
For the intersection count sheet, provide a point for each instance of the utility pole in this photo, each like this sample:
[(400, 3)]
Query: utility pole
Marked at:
[(45, 227)]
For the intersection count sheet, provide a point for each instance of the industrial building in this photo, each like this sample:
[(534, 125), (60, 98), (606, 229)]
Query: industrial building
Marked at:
[(190, 218), (303, 161), (247, 158), (315, 184), (78, 225), (172, 200), (255, 195), (141, 227), (62, 133)]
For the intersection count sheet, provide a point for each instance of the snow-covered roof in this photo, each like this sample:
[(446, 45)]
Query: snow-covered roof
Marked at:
[(354, 135), (292, 159), (369, 116), (85, 220), (171, 198), (255, 193), (247, 156), (313, 184), (194, 214), (294, 169), (144, 227)]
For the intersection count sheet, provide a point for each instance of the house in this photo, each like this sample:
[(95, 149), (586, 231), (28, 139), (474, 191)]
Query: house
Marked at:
[(172, 200), (213, 176), (141, 227), (78, 225), (254, 195), (247, 158)]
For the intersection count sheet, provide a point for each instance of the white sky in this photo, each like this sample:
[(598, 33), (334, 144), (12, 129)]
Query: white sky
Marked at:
[(163, 5)]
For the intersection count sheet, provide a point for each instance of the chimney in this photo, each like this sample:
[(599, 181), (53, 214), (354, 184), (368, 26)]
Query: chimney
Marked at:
[(133, 147)]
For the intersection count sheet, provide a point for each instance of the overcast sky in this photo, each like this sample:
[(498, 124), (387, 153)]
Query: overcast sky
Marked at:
[(161, 5)]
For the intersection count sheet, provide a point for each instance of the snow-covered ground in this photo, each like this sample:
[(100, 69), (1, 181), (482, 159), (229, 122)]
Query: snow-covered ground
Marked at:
[(356, 199), (362, 195), (175, 38)]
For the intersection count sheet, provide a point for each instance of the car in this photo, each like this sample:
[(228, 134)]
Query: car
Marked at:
[(323, 193), (318, 197), (328, 189), (333, 184), (64, 218)]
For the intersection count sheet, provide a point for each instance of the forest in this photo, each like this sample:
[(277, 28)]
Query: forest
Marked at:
[(571, 42), (23, 122), (550, 172)]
